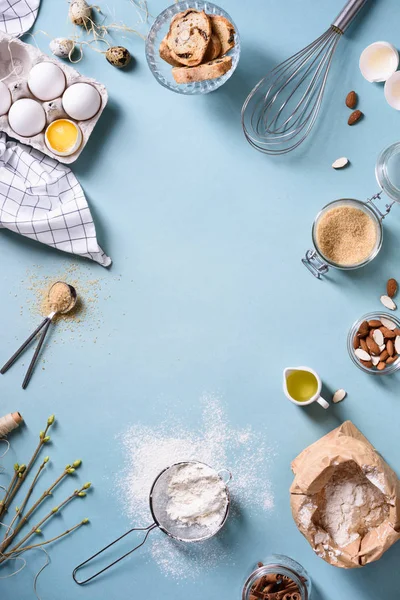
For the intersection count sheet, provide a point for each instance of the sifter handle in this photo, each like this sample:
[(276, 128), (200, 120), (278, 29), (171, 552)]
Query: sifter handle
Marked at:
[(347, 14), (85, 562)]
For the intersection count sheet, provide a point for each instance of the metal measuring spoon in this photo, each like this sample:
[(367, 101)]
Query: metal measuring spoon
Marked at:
[(44, 324)]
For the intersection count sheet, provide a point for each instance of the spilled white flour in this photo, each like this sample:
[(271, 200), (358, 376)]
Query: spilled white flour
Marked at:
[(149, 450)]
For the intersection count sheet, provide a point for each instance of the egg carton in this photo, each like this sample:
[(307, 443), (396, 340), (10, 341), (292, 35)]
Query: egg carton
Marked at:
[(16, 62)]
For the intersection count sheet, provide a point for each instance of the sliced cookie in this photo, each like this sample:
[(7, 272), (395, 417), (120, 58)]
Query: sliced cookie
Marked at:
[(225, 31), (189, 36), (211, 70), (167, 54), (213, 50)]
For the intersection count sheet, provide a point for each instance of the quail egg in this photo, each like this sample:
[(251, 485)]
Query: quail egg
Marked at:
[(118, 56), (62, 47)]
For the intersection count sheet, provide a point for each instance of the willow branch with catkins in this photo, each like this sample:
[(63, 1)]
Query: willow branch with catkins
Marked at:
[(10, 547)]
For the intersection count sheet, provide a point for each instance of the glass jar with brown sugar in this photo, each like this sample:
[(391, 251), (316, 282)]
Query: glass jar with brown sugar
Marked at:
[(278, 577), (348, 234)]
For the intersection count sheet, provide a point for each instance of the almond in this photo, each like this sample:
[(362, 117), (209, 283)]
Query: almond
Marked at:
[(384, 356), (390, 347), (366, 363), (378, 337), (362, 355), (388, 302), (338, 396), (391, 288), (351, 100), (388, 324), (375, 324), (364, 345), (392, 359), (355, 117), (363, 330), (376, 360), (381, 366), (356, 342), (373, 346), (396, 331), (397, 344), (387, 333)]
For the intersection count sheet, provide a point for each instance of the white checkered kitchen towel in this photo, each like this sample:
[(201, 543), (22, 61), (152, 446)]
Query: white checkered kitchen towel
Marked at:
[(43, 200), (17, 16)]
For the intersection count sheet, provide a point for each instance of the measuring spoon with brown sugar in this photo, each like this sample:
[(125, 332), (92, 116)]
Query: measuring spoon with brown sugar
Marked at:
[(61, 299)]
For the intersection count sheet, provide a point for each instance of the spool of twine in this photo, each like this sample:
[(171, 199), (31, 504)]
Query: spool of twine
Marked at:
[(9, 422)]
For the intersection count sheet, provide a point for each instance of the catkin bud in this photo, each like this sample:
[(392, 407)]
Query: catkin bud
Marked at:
[(77, 463), (46, 459), (46, 439), (84, 521), (87, 485), (50, 420), (38, 531), (55, 509), (81, 494), (70, 470)]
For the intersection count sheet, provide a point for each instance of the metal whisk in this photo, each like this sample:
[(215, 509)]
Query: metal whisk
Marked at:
[(281, 110)]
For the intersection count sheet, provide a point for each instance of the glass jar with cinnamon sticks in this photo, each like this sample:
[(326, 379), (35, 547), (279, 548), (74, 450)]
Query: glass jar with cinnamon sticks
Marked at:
[(278, 578)]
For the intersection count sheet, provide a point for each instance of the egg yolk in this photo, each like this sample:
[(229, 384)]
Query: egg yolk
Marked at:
[(62, 135)]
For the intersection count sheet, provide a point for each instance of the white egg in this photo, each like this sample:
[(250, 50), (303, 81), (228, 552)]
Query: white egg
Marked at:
[(27, 117), (81, 101), (379, 61), (392, 90), (46, 81), (5, 98)]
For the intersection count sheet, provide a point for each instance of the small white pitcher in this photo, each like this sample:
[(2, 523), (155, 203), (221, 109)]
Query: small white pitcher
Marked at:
[(317, 396)]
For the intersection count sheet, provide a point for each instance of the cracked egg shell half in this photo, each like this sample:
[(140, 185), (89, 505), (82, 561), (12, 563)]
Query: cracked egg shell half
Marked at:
[(63, 137), (379, 61)]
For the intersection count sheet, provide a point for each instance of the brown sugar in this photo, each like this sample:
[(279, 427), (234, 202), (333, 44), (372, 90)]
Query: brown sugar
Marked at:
[(59, 297), (346, 235)]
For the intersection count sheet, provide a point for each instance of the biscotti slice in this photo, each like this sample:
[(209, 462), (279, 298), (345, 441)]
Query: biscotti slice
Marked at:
[(189, 36), (225, 31), (167, 54), (211, 70), (214, 49)]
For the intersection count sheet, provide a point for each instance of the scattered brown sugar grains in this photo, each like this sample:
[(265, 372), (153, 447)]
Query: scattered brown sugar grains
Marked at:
[(346, 235)]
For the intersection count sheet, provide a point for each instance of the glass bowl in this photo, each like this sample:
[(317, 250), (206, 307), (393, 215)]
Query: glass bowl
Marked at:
[(162, 71), (366, 209), (353, 330), (281, 565)]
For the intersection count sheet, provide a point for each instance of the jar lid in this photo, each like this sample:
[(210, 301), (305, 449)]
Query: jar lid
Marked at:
[(387, 171)]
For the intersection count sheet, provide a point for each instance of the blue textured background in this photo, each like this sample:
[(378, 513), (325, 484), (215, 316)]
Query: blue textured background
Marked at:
[(207, 293)]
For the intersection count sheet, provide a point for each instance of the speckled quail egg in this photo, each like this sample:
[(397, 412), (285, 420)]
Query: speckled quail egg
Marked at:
[(46, 81), (5, 98), (62, 47), (118, 56), (80, 12), (27, 117)]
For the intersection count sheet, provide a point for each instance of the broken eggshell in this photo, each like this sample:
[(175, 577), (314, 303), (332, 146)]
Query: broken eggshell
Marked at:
[(62, 47), (392, 90), (379, 61)]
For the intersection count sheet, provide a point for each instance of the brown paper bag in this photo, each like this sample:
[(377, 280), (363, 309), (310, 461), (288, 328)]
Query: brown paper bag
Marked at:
[(313, 469)]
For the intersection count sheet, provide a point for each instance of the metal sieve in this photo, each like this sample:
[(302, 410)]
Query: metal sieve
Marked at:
[(158, 501), (387, 171)]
